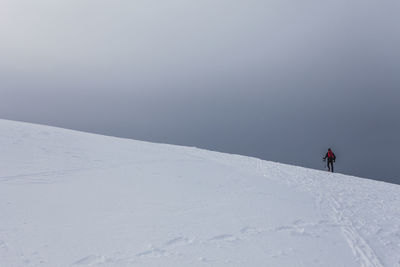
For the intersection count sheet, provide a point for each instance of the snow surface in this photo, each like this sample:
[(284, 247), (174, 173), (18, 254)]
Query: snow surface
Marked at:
[(75, 199)]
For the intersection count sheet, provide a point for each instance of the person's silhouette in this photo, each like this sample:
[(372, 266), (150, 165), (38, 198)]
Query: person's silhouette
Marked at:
[(331, 159)]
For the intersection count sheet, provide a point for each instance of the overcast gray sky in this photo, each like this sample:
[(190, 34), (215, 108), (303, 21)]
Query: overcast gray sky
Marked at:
[(282, 80)]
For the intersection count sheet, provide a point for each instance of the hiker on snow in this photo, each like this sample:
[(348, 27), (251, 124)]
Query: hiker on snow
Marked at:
[(331, 159)]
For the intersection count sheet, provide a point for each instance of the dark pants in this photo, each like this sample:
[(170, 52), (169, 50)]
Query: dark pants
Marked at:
[(330, 165)]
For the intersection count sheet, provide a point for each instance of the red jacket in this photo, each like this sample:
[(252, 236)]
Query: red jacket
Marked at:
[(330, 155)]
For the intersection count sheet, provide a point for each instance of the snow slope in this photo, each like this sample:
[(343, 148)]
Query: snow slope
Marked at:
[(75, 199)]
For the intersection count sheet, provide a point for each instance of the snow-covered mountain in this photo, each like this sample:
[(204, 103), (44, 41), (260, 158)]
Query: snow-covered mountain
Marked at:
[(69, 198)]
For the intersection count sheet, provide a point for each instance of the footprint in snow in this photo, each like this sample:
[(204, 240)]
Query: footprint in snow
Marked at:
[(224, 237), (155, 252), (178, 241), (249, 230), (92, 260)]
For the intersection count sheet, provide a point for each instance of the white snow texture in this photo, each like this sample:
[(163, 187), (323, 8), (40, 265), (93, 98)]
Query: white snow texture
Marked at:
[(76, 199)]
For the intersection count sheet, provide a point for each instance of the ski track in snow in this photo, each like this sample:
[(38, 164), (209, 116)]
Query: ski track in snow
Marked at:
[(363, 252)]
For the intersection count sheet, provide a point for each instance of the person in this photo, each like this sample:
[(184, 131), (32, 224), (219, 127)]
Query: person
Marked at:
[(331, 159)]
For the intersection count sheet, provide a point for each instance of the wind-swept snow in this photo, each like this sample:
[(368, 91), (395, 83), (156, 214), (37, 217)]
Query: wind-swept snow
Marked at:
[(75, 199)]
